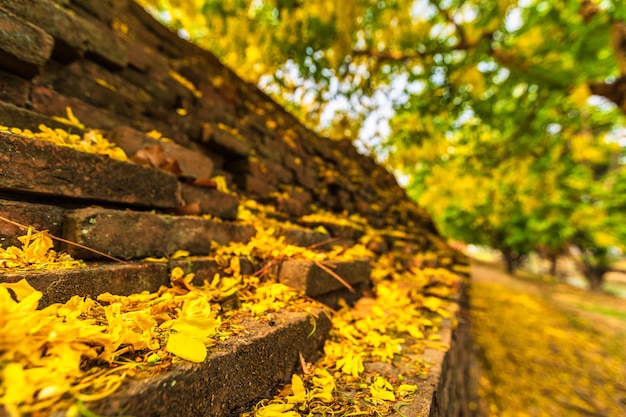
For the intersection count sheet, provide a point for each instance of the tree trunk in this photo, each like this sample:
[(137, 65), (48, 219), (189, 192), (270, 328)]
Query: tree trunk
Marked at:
[(553, 258), (595, 276), (509, 260)]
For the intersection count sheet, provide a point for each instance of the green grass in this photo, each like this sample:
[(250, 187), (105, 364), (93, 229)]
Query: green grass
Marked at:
[(607, 311)]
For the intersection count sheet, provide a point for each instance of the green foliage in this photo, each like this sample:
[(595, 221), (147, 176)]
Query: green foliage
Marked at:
[(493, 124)]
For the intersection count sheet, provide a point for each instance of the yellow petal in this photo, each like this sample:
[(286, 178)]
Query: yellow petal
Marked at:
[(22, 288), (299, 392), (186, 347), (180, 254), (276, 410), (16, 387)]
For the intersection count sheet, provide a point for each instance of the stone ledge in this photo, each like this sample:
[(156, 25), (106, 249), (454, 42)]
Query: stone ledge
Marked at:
[(69, 34), (24, 48), (236, 373), (13, 89), (348, 235), (202, 200), (135, 235), (193, 164), (205, 267), (306, 238), (58, 286), (39, 216), (314, 281), (13, 116), (444, 391), (39, 167)]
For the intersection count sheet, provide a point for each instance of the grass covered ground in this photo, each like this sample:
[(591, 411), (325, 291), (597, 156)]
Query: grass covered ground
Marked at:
[(546, 348)]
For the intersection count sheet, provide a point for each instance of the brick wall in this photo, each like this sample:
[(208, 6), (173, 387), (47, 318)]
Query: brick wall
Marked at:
[(122, 72)]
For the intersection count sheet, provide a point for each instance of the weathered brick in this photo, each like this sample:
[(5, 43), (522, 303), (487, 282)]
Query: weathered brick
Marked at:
[(112, 80), (336, 230), (104, 46), (306, 174), (23, 47), (71, 83), (306, 237), (193, 165), (264, 168), (133, 27), (13, 116), (104, 10), (58, 286), (39, 216), (227, 142), (154, 88), (288, 205), (204, 268), (157, 35), (210, 201), (42, 168), (314, 281), (257, 186), (13, 90), (335, 298), (144, 58), (51, 103), (132, 235), (237, 372), (70, 37)]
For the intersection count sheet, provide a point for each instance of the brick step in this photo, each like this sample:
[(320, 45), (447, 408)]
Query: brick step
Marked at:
[(59, 285), (236, 373), (37, 168), (42, 168), (346, 235), (323, 280), (135, 235)]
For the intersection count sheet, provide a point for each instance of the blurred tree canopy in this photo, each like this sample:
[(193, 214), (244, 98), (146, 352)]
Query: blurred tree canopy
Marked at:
[(506, 122)]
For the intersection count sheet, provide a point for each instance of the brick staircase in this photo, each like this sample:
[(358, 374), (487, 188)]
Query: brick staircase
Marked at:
[(121, 72)]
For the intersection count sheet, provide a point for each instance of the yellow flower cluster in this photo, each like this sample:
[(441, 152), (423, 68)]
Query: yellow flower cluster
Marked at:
[(35, 254)]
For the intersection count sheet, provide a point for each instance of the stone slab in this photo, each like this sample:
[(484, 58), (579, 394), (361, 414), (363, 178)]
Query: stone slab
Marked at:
[(39, 167), (23, 46), (306, 238), (71, 81), (236, 373), (314, 281), (49, 102), (204, 267), (224, 141), (193, 165), (334, 298), (39, 216), (70, 37), (210, 201), (256, 186), (133, 235), (13, 89), (337, 230), (13, 116), (58, 286), (104, 46)]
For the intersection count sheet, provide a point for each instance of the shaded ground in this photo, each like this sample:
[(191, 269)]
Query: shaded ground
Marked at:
[(547, 349)]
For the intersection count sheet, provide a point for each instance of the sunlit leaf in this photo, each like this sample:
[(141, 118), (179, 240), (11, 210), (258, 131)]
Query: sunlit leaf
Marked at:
[(187, 347)]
